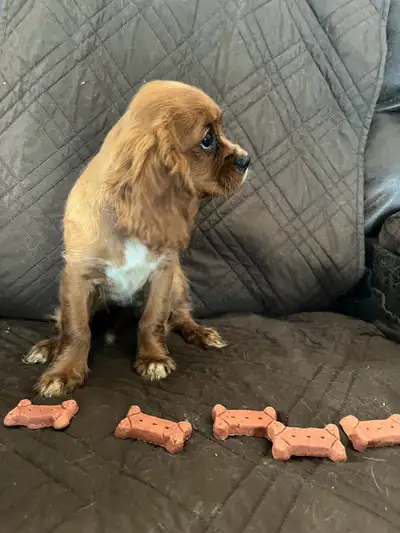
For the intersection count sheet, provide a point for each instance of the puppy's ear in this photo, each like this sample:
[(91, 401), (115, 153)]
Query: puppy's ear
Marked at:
[(125, 150), (169, 154), (152, 194)]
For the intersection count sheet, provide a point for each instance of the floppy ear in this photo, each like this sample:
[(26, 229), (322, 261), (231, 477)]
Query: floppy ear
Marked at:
[(152, 194), (169, 155)]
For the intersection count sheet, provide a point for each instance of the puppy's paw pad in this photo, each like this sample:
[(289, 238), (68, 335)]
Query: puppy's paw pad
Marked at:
[(56, 382), (51, 387), (209, 338), (154, 370), (157, 371), (37, 355), (214, 340)]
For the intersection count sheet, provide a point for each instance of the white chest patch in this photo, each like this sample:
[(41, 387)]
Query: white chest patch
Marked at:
[(126, 280)]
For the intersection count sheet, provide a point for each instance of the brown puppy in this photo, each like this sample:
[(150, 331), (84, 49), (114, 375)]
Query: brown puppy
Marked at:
[(128, 218)]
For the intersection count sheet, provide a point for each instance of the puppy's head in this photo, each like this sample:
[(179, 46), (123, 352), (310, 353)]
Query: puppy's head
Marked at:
[(186, 126), (170, 147)]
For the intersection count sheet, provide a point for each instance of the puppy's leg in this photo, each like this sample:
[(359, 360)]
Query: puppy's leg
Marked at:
[(181, 319), (69, 366), (153, 361)]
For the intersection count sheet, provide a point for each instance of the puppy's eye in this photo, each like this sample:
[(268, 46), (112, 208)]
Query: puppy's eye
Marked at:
[(207, 141)]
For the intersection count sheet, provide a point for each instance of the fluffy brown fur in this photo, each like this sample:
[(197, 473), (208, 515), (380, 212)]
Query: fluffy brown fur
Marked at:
[(142, 187)]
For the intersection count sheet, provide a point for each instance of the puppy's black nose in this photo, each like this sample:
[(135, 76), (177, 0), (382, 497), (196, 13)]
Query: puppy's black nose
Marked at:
[(242, 162)]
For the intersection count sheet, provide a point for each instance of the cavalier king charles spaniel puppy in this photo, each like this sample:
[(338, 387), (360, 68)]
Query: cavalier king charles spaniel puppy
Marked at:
[(127, 220)]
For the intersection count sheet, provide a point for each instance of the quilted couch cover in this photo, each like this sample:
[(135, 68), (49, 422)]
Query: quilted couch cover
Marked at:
[(298, 80), (313, 368)]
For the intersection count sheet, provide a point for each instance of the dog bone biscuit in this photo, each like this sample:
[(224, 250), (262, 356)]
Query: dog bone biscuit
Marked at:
[(306, 442), (41, 416), (241, 422), (170, 435), (372, 433)]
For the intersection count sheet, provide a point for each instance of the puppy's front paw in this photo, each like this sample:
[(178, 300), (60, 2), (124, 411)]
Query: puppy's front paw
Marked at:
[(59, 382), (51, 385), (154, 368), (204, 337), (41, 352)]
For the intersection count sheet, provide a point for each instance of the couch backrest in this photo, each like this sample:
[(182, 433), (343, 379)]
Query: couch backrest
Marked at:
[(298, 80)]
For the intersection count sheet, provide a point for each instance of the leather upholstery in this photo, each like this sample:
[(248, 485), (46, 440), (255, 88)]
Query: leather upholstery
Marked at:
[(382, 156)]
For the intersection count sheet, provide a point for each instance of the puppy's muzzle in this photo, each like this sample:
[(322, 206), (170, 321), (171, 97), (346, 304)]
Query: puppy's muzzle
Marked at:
[(242, 162)]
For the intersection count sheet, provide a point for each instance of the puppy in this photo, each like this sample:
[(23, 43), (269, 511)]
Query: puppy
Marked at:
[(127, 220)]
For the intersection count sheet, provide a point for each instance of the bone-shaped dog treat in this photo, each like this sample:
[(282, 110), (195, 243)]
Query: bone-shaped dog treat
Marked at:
[(372, 433), (306, 442), (41, 416), (241, 422), (170, 435)]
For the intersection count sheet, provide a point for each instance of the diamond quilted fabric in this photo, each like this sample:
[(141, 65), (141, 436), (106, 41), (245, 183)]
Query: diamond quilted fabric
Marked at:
[(314, 368), (298, 80)]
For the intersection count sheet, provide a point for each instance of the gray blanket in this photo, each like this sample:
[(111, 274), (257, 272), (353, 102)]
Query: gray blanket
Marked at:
[(298, 80)]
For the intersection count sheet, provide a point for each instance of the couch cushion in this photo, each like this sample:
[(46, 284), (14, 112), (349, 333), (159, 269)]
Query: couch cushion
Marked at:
[(313, 369), (298, 80)]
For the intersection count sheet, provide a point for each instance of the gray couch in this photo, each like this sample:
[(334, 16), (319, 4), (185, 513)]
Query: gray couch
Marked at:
[(299, 81)]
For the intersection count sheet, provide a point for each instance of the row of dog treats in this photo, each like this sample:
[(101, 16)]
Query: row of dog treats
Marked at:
[(286, 441)]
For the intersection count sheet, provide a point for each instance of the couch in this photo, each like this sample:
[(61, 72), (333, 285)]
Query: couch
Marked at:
[(299, 271)]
